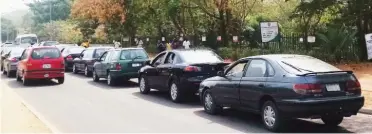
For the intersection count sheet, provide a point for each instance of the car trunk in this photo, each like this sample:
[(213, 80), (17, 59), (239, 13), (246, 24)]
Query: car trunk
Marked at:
[(208, 69), (45, 64), (129, 66), (332, 84)]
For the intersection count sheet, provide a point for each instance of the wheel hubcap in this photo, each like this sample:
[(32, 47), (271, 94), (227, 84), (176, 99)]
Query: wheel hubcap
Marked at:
[(142, 84), (109, 79), (269, 116), (174, 91), (73, 68), (208, 102), (86, 71), (94, 74)]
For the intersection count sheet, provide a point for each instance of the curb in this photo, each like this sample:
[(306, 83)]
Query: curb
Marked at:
[(365, 111), (52, 128)]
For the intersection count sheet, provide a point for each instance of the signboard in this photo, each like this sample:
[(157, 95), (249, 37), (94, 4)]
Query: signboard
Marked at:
[(369, 45), (235, 38), (219, 38), (204, 38), (269, 31), (162, 38)]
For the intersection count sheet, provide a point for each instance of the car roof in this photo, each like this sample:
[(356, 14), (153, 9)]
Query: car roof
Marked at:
[(275, 56), (38, 47), (129, 48), (99, 47)]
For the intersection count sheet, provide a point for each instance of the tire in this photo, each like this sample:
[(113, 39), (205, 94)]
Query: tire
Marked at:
[(61, 80), (74, 69), (25, 81), (332, 120), (87, 73), (8, 74), (95, 76), (209, 104), (4, 72), (143, 85), (17, 77), (1, 68), (110, 81), (272, 120), (175, 92)]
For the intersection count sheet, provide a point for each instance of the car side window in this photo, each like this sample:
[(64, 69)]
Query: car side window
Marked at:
[(103, 56), (159, 59), (25, 54), (107, 58), (270, 70), (256, 68), (170, 58), (88, 54), (237, 70), (114, 55)]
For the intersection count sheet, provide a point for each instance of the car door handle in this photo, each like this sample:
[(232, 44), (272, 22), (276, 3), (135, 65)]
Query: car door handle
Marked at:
[(261, 85)]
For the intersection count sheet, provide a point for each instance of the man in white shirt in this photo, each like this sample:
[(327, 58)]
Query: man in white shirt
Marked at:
[(186, 44)]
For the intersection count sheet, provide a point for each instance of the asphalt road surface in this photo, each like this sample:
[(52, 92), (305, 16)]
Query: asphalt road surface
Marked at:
[(82, 106)]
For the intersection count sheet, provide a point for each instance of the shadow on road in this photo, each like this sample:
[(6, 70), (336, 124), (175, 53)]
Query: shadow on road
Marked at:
[(122, 85), (247, 122), (33, 83), (162, 98), (78, 75)]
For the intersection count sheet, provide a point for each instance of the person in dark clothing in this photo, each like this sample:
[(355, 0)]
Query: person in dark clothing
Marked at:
[(161, 46)]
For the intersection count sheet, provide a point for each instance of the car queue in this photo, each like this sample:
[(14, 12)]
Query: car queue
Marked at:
[(277, 87)]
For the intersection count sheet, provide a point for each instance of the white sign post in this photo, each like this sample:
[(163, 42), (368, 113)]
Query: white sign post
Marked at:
[(269, 31), (204, 38), (369, 45)]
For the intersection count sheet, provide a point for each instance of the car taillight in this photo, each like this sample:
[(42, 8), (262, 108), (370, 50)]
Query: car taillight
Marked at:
[(306, 89), (117, 66), (13, 59), (69, 57), (352, 85), (192, 69)]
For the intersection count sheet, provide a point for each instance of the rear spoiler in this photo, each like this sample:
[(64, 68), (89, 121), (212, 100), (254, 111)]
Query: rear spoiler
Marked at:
[(316, 73)]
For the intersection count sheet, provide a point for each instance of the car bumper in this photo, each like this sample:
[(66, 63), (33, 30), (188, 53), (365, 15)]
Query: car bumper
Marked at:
[(191, 85), (119, 74), (346, 106), (12, 68), (44, 74), (69, 64)]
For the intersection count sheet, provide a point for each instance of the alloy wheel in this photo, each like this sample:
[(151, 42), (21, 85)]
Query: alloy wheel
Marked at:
[(208, 101), (174, 91), (142, 84)]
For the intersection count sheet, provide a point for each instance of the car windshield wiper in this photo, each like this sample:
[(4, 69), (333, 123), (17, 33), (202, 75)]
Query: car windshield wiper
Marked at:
[(297, 68)]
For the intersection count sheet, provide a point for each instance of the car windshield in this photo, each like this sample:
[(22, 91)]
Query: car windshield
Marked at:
[(200, 56), (51, 43), (16, 52), (305, 64), (45, 53), (131, 54), (29, 40), (99, 52)]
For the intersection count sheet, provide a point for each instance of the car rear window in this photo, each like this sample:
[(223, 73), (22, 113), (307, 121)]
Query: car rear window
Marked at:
[(99, 52), (305, 64), (75, 50), (17, 52), (134, 53), (43, 53), (200, 56)]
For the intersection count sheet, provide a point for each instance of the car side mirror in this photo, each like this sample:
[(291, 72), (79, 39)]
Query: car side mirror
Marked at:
[(221, 74)]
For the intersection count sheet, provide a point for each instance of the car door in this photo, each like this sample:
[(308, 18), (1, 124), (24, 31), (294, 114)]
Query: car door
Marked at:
[(106, 63), (152, 73), (22, 61), (227, 90), (165, 70), (87, 57), (253, 83), (77, 60), (98, 66)]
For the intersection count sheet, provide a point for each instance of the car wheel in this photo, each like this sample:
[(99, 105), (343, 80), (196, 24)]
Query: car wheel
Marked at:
[(74, 69), (332, 120), (25, 81), (175, 93), (110, 80), (270, 116), (209, 104), (4, 72), (95, 77), (8, 74), (17, 77), (144, 88), (87, 73), (1, 68), (61, 80)]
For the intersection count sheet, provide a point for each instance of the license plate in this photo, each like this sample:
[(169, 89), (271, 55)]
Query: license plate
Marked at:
[(333, 87), (136, 65), (46, 75), (46, 66)]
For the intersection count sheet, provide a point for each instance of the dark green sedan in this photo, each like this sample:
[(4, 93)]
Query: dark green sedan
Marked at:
[(119, 65)]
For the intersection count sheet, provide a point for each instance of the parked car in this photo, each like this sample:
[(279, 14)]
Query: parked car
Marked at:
[(119, 65), (40, 63), (179, 72), (281, 87), (5, 51), (87, 58), (11, 61), (69, 54)]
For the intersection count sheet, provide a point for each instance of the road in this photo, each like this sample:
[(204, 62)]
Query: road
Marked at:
[(83, 106)]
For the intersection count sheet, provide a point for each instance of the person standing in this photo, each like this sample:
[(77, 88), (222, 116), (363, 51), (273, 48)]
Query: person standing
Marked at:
[(186, 44), (140, 43), (160, 46)]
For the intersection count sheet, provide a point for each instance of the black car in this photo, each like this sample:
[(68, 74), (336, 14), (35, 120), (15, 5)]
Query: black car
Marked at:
[(69, 54), (179, 72), (11, 61), (85, 61), (282, 87)]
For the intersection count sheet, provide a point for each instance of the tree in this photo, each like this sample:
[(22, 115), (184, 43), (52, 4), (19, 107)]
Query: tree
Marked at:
[(8, 30), (49, 10)]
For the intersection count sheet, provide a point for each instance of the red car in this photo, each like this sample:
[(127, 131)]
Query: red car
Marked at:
[(41, 63)]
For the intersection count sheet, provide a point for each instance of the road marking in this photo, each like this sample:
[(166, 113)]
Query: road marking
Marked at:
[(34, 111)]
